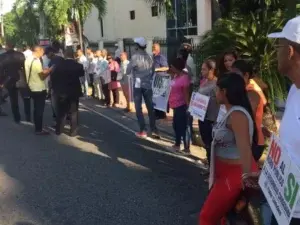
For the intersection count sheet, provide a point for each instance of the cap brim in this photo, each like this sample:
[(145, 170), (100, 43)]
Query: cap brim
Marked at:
[(276, 35)]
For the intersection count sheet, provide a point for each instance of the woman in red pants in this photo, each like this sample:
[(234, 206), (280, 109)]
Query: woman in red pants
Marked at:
[(231, 154)]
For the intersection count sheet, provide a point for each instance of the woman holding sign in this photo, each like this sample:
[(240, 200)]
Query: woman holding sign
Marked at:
[(179, 100), (231, 158), (208, 88)]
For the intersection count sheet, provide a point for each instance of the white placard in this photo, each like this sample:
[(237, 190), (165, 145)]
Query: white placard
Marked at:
[(279, 181), (222, 113), (198, 105), (161, 88)]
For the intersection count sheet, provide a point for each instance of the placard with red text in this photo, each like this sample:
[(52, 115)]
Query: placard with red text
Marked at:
[(279, 181), (198, 105)]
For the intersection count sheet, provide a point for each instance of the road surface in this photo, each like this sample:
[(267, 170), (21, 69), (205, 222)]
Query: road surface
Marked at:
[(106, 176)]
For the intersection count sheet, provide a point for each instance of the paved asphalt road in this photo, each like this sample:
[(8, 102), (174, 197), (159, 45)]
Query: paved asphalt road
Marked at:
[(106, 176)]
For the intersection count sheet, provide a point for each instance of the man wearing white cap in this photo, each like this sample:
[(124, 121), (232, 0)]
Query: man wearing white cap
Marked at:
[(141, 67), (288, 54)]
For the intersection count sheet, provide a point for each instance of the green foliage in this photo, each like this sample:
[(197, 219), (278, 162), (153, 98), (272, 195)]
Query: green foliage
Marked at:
[(21, 24), (247, 34)]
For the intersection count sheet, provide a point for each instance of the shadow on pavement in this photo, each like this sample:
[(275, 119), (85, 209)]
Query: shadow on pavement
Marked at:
[(105, 176)]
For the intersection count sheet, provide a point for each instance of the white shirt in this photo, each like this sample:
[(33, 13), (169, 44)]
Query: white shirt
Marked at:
[(27, 53), (83, 60), (289, 131)]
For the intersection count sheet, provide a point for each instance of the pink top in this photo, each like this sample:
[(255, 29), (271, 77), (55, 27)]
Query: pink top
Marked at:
[(114, 84), (178, 85)]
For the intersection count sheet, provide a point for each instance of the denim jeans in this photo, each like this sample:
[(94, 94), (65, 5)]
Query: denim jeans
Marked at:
[(138, 95)]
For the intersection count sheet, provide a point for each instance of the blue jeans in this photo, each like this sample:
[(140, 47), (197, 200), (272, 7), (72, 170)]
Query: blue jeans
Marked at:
[(138, 95)]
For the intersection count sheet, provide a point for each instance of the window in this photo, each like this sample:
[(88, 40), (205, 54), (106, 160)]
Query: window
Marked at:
[(154, 11), (132, 15), (184, 21)]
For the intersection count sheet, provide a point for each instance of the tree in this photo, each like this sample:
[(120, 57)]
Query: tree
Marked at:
[(60, 12)]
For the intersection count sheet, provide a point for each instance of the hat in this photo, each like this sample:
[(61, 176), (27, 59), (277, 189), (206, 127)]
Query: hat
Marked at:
[(140, 41), (291, 31)]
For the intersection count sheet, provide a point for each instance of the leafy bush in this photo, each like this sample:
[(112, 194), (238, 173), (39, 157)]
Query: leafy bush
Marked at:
[(247, 35)]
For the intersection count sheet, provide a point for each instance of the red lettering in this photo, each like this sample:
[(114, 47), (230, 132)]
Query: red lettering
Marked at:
[(275, 152)]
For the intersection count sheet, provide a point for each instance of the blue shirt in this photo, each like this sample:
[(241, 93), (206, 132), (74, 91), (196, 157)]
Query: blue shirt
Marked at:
[(159, 62)]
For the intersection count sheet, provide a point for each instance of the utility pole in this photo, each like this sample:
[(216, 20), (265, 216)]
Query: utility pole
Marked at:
[(2, 19)]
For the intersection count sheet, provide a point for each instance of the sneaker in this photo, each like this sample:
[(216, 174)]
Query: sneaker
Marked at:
[(142, 134), (175, 148), (187, 151)]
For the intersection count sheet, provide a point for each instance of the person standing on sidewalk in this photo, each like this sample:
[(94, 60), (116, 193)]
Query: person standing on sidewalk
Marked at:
[(85, 63), (68, 90), (179, 100), (103, 78), (91, 68), (13, 71), (208, 87), (2, 79), (125, 80), (114, 85), (141, 68), (161, 67), (288, 55), (35, 76)]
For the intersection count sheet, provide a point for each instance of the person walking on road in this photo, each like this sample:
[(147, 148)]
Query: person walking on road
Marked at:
[(141, 67), (68, 90), (35, 77), (288, 55), (13, 70)]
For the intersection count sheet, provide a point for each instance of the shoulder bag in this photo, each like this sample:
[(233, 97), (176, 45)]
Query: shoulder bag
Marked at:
[(23, 83)]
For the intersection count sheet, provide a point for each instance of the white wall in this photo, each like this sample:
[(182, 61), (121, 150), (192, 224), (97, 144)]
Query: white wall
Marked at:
[(117, 23)]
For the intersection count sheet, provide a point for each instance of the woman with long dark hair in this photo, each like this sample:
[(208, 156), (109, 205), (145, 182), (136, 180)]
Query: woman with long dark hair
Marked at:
[(226, 62), (257, 100), (208, 87), (231, 158)]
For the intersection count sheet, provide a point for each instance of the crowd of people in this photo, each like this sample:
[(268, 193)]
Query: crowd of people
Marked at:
[(234, 143)]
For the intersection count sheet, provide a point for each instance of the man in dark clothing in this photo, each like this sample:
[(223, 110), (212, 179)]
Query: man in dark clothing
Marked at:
[(67, 87), (13, 67), (55, 60)]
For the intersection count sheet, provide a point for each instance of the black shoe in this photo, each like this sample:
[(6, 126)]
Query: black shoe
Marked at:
[(155, 135)]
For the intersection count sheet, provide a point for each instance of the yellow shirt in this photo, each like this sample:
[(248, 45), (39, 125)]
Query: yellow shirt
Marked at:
[(35, 83)]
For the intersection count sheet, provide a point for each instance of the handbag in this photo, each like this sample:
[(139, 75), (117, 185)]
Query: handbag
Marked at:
[(23, 83)]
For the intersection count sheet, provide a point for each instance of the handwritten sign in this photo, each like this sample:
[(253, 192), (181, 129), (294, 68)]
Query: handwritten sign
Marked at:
[(222, 113), (161, 91), (198, 105), (279, 182)]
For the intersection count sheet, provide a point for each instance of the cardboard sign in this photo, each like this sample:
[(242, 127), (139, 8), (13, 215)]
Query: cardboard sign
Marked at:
[(279, 181), (198, 105)]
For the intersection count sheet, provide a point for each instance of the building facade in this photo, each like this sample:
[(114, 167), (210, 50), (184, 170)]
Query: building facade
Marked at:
[(134, 18)]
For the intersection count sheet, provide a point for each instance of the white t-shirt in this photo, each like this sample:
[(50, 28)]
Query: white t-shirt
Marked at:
[(27, 53), (289, 131)]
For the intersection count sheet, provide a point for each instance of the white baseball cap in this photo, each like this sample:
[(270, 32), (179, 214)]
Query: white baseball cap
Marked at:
[(140, 41), (291, 31)]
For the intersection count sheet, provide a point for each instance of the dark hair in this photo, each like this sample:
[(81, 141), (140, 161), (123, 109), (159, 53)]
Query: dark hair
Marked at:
[(237, 95), (221, 66), (211, 65), (141, 47), (69, 53), (109, 55), (56, 45), (178, 63), (49, 49), (244, 67)]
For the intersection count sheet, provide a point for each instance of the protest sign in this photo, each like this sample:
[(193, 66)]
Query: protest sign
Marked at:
[(222, 113), (198, 105), (279, 181), (161, 91)]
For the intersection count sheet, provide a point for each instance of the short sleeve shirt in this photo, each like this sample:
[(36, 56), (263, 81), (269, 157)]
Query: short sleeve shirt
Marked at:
[(159, 62), (33, 67)]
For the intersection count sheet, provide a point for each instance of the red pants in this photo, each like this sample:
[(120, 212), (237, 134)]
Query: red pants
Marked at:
[(224, 193)]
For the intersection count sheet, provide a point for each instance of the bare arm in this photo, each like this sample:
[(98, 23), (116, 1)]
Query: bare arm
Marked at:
[(239, 124), (254, 99)]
